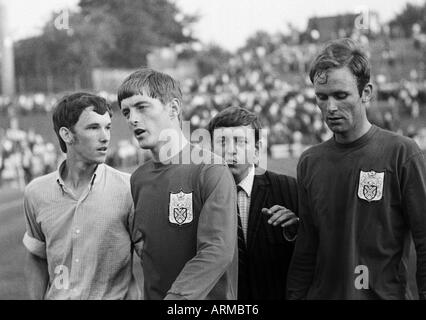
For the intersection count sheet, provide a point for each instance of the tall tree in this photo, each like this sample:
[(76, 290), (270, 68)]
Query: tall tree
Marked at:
[(140, 26), (107, 33), (410, 15)]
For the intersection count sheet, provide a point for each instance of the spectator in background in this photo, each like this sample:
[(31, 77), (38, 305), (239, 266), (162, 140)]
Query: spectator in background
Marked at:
[(1, 162), (26, 160), (420, 138)]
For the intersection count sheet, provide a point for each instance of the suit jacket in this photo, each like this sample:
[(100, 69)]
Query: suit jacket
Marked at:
[(268, 254)]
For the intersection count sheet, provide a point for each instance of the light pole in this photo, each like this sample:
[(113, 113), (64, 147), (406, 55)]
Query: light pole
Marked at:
[(7, 57)]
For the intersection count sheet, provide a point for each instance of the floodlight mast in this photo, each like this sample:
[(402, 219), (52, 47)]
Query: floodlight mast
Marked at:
[(7, 56)]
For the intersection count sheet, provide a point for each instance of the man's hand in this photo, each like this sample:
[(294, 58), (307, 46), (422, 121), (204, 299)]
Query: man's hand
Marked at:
[(287, 218), (281, 215)]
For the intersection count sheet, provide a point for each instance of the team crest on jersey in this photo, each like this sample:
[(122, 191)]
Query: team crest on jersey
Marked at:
[(180, 208), (371, 185)]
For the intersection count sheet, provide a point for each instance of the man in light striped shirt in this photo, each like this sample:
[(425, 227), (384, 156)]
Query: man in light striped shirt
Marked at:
[(78, 218)]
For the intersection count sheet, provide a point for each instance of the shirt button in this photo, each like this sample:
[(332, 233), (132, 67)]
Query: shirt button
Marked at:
[(77, 260), (77, 231)]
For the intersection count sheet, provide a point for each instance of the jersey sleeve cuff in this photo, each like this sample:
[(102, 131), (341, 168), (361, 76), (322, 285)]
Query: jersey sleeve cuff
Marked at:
[(34, 246), (289, 236), (290, 231)]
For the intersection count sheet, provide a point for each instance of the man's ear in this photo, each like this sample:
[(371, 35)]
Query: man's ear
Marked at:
[(175, 109), (367, 93), (66, 135)]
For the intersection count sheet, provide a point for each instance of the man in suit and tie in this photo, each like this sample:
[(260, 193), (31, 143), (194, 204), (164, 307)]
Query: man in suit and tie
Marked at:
[(267, 203)]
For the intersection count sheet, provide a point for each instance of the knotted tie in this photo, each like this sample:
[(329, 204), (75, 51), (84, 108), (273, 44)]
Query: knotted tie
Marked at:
[(243, 284)]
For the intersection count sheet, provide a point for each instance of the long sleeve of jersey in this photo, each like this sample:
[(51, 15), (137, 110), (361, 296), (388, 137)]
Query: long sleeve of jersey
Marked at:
[(302, 266), (216, 236), (413, 189)]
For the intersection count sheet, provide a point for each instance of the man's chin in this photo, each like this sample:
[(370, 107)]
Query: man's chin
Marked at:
[(336, 128), (99, 160), (235, 170), (143, 144)]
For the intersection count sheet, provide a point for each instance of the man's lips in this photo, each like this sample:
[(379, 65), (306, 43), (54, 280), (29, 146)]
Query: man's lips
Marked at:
[(139, 132), (231, 162), (334, 118), (102, 149)]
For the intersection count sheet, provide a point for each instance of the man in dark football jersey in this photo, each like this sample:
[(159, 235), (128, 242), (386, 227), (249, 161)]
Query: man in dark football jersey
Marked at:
[(185, 206), (361, 193)]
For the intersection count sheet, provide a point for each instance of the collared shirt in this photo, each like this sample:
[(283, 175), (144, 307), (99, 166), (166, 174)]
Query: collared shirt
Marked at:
[(86, 240), (244, 197)]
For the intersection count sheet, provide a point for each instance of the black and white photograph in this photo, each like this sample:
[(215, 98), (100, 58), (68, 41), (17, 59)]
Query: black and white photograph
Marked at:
[(240, 151)]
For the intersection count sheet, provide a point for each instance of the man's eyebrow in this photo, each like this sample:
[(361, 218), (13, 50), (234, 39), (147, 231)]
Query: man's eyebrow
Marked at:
[(332, 92), (341, 91), (140, 102), (93, 124)]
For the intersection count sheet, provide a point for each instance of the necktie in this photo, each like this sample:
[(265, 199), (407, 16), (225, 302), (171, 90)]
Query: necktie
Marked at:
[(243, 292), (241, 238)]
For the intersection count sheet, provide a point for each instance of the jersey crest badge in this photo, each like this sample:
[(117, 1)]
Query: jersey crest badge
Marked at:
[(180, 208), (371, 185)]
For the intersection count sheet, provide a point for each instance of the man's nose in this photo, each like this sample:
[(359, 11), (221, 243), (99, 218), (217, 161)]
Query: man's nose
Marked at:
[(229, 147), (105, 135), (331, 105), (133, 118)]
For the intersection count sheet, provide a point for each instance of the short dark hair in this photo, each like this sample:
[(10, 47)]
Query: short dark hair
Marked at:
[(69, 108), (343, 53), (156, 84), (235, 117)]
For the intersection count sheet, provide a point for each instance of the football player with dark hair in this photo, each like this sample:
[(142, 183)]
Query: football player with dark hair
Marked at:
[(185, 207)]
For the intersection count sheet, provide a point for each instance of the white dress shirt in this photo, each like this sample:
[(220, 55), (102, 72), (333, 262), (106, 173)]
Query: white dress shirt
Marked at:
[(244, 197)]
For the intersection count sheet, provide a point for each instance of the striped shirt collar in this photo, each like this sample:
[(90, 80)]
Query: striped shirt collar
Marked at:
[(247, 183)]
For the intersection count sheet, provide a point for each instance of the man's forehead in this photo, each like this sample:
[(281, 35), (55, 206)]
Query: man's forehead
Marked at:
[(89, 115), (335, 79), (140, 97)]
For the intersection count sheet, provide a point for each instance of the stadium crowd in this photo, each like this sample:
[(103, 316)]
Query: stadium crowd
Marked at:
[(256, 78), (25, 155)]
